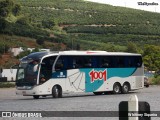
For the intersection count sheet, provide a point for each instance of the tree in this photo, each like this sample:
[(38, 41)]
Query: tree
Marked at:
[(7, 8), (35, 50), (2, 24), (40, 41), (16, 9), (23, 21), (151, 57), (48, 24), (78, 47), (4, 12), (132, 47), (23, 54), (56, 47)]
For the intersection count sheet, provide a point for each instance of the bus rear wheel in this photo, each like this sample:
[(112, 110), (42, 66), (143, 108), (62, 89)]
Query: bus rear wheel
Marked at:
[(36, 96), (116, 88), (125, 88), (56, 92)]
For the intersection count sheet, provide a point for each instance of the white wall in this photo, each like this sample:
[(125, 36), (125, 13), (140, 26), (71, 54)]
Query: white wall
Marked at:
[(10, 75)]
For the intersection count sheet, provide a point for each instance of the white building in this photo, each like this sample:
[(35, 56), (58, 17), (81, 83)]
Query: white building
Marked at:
[(10, 74), (17, 51)]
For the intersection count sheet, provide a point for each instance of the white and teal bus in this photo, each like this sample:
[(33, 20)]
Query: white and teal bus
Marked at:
[(55, 73)]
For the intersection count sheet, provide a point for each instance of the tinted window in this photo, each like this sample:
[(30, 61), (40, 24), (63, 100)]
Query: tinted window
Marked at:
[(118, 61), (81, 62), (131, 61), (76, 62), (46, 67), (104, 61), (138, 61), (61, 63)]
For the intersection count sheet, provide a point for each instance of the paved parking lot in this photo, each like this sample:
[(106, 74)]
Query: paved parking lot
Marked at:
[(77, 102)]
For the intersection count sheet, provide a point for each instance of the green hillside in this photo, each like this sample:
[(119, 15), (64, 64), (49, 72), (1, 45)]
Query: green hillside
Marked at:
[(82, 25), (84, 20)]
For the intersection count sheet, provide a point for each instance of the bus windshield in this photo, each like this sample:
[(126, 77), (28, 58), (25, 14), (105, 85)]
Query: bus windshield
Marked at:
[(27, 73)]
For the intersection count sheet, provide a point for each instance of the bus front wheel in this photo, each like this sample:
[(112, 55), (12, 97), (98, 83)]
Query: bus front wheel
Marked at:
[(56, 92), (116, 88)]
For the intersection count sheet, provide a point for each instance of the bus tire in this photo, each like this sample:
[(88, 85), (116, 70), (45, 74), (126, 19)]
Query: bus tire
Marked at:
[(98, 93), (56, 92), (147, 85), (36, 96), (125, 88), (116, 88)]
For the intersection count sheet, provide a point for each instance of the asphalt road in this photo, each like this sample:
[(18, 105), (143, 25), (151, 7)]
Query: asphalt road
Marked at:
[(77, 102)]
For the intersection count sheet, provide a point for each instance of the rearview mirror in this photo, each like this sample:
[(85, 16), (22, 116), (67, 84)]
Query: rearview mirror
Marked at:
[(35, 68)]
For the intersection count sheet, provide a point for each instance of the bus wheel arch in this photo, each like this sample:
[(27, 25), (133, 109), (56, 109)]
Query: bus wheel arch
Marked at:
[(126, 87), (57, 91), (36, 96), (117, 88)]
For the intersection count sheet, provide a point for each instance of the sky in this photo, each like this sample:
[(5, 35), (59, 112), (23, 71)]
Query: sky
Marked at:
[(133, 4)]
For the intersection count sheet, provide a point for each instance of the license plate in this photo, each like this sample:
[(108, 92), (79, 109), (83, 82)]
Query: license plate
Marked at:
[(24, 92)]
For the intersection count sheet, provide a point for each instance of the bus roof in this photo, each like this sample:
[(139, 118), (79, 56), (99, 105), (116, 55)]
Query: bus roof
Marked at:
[(39, 55), (96, 53)]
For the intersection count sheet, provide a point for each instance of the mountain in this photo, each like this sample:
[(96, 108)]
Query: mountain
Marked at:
[(85, 24), (78, 24)]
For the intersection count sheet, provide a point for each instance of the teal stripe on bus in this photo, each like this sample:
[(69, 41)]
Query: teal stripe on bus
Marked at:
[(91, 86)]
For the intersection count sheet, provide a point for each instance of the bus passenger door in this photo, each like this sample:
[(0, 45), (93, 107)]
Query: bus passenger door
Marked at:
[(45, 74), (59, 75)]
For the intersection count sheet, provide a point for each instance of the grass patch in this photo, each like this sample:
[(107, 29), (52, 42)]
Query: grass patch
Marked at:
[(7, 84), (156, 80)]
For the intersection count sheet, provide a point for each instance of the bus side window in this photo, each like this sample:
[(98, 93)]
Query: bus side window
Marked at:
[(88, 62), (60, 64), (120, 61), (105, 62), (128, 61), (82, 62), (133, 61), (77, 62), (138, 61)]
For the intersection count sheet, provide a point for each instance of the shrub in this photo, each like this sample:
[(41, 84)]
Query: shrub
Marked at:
[(40, 41), (156, 80), (6, 85)]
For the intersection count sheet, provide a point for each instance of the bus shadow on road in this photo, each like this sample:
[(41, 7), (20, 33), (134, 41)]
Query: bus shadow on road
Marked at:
[(92, 95), (66, 96)]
